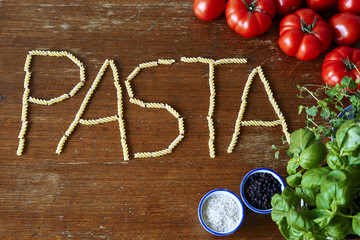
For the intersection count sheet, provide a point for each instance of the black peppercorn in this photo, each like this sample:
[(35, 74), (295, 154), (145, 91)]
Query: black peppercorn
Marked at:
[(259, 189)]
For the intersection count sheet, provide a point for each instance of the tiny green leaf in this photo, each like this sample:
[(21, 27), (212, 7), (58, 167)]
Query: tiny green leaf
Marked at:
[(313, 111)]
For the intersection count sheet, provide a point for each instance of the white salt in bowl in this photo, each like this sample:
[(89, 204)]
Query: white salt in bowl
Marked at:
[(221, 212)]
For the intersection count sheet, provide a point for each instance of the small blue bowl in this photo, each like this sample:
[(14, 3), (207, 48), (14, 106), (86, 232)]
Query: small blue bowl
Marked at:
[(259, 170), (346, 110), (220, 192)]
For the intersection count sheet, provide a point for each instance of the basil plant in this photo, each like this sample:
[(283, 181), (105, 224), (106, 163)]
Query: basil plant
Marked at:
[(322, 199)]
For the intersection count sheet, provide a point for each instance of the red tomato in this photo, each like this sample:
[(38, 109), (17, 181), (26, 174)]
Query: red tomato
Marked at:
[(352, 6), (250, 18), (284, 7), (320, 5), (208, 9), (341, 62), (345, 28), (304, 34)]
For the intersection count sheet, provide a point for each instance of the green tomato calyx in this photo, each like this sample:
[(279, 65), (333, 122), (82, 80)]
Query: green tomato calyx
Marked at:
[(307, 28), (252, 7), (349, 64)]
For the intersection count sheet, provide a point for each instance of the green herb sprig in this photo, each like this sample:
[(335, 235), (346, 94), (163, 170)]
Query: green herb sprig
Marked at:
[(325, 108)]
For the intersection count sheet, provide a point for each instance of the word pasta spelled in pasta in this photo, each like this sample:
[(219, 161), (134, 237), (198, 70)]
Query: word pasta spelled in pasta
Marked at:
[(27, 98)]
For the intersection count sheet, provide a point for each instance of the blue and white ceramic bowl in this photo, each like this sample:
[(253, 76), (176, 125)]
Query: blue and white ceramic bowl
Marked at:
[(220, 192), (346, 110), (259, 170)]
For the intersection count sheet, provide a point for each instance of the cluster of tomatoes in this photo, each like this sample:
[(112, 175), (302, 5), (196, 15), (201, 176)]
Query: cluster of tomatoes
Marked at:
[(303, 32)]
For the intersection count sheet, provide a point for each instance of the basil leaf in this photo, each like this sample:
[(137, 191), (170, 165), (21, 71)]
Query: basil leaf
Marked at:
[(343, 129), (284, 228), (356, 224), (336, 187), (333, 147), (298, 220), (280, 208), (339, 227), (294, 180), (336, 162), (322, 201), (297, 234), (313, 155), (323, 217), (300, 139), (313, 111), (351, 141), (353, 160), (313, 177), (308, 195), (293, 164)]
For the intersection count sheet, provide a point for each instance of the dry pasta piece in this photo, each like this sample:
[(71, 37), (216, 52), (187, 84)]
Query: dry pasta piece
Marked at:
[(148, 64), (166, 61), (26, 95), (82, 73), (143, 155), (20, 146), (125, 149), (38, 101), (98, 120), (211, 128), (230, 60), (261, 123), (172, 111), (27, 80), (122, 128), (76, 88), (160, 153), (133, 73), (74, 59), (129, 89), (181, 126), (27, 63), (61, 144), (23, 129), (239, 121), (176, 142), (155, 105), (72, 127), (189, 59), (58, 99), (137, 102), (211, 148), (206, 60), (212, 105), (24, 111)]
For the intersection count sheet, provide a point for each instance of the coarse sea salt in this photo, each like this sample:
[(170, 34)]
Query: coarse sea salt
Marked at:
[(221, 213)]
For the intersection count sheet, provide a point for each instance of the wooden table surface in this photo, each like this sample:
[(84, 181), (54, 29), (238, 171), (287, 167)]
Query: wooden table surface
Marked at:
[(88, 191)]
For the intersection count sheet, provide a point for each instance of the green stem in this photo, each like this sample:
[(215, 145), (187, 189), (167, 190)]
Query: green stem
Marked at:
[(344, 215), (349, 64), (311, 93), (313, 122), (307, 28)]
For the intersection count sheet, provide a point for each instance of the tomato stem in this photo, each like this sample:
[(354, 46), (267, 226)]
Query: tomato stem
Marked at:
[(349, 64), (307, 28), (252, 7)]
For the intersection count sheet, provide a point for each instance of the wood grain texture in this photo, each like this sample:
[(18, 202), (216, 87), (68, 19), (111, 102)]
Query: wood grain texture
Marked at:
[(88, 192)]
